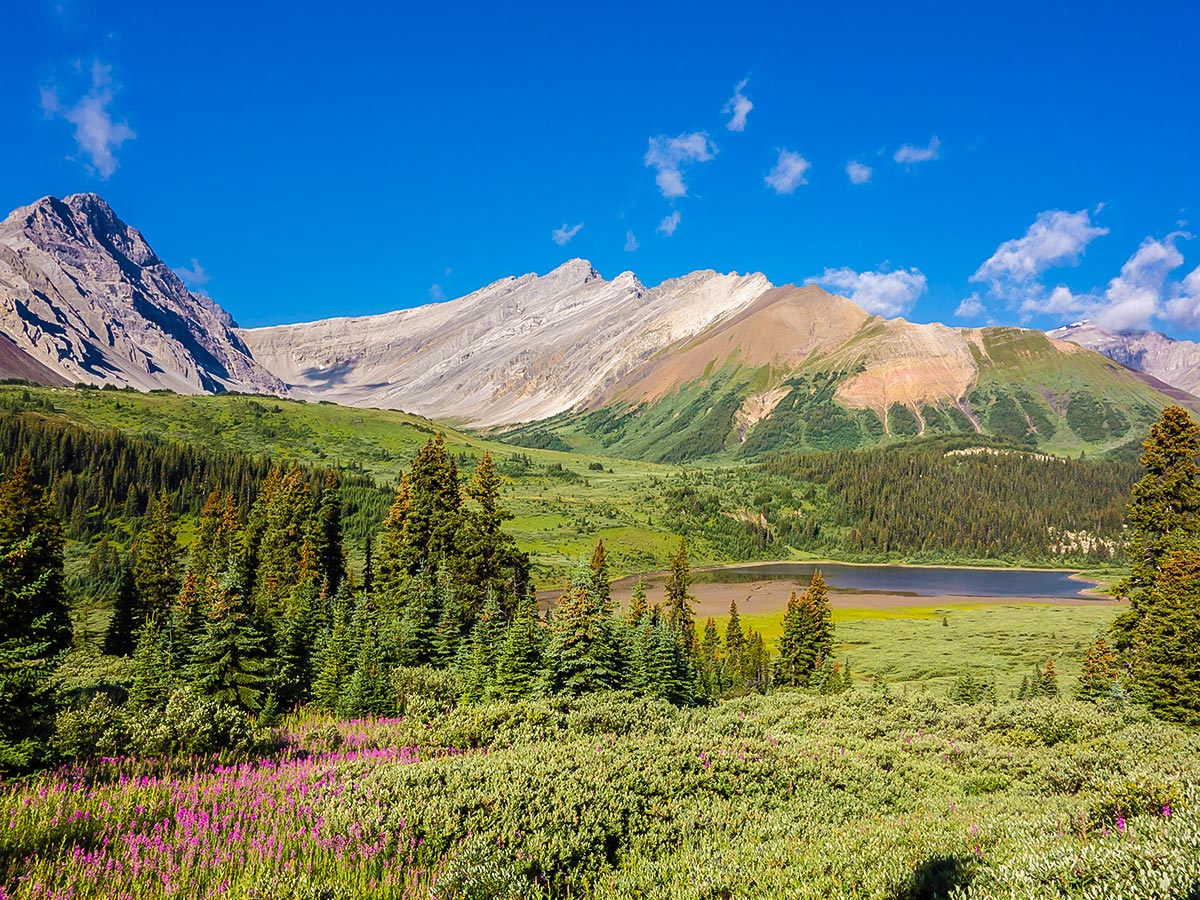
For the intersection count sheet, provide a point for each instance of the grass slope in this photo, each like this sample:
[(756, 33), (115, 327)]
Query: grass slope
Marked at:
[(1028, 389)]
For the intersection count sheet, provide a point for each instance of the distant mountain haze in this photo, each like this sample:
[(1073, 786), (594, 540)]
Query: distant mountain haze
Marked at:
[(84, 298)]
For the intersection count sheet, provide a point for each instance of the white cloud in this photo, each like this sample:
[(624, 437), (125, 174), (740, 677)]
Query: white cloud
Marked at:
[(1134, 297), (97, 134), (880, 293), (668, 225), (562, 236), (1056, 238), (908, 154), (859, 173), (1061, 302), (739, 105), (631, 242), (195, 277), (971, 307), (436, 294), (788, 173), (668, 157), (1184, 307)]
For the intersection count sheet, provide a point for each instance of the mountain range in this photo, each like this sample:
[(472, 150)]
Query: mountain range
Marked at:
[(704, 364)]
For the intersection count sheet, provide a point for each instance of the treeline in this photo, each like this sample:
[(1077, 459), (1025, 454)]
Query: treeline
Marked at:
[(98, 480), (955, 497)]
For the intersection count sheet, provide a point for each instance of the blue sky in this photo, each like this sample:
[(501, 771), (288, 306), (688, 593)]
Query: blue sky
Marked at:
[(1023, 163)]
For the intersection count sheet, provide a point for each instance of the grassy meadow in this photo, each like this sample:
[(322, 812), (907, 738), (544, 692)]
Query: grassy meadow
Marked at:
[(865, 795)]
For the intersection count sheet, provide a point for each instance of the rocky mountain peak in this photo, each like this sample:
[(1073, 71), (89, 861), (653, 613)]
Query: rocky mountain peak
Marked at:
[(84, 294)]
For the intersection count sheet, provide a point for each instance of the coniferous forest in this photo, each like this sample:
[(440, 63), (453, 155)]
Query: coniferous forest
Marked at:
[(227, 676)]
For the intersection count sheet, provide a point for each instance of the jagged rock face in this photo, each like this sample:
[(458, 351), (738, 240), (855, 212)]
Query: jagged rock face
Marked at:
[(1169, 360), (518, 350), (82, 294)]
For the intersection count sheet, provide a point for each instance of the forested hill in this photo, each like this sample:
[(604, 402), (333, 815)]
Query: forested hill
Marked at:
[(955, 498), (950, 499)]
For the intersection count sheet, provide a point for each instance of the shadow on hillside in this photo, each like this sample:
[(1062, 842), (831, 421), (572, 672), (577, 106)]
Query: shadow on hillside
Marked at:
[(933, 879)]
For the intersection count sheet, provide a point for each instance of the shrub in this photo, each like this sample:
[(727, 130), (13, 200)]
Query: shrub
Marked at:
[(424, 692), (190, 726), (86, 732)]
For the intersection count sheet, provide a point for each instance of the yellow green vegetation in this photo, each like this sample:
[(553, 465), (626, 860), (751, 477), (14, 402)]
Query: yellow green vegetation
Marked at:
[(863, 795)]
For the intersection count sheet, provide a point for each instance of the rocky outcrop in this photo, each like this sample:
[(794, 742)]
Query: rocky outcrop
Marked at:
[(85, 297)]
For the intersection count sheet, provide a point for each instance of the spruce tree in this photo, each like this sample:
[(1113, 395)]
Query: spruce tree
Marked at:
[(326, 537), (679, 612), (818, 598), (284, 554), (1159, 636), (711, 679), (1100, 672), (1165, 508), (520, 656), (419, 614), (156, 567), (152, 679), (1166, 670), (488, 557), (229, 662), (599, 567), (733, 640), (335, 661), (582, 652), (638, 607), (368, 690), (486, 638), (187, 621), (35, 625), (119, 638), (795, 644), (421, 529), (1048, 680), (216, 544)]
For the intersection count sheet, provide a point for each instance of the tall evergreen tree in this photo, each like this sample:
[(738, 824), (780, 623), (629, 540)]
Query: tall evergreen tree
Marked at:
[(326, 537), (119, 639), (229, 662), (488, 557), (336, 659), (734, 638), (216, 544), (188, 615), (679, 612), (599, 567), (818, 597), (638, 607), (1165, 508), (520, 656), (711, 674), (582, 652), (422, 526), (1159, 636), (1166, 669), (486, 638), (35, 626), (367, 691), (156, 569), (1100, 672), (152, 678), (285, 557)]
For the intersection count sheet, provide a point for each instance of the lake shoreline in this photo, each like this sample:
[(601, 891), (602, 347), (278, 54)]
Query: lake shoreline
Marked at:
[(769, 595)]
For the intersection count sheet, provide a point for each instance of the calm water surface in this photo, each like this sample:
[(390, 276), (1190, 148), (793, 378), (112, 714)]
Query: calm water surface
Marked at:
[(915, 581)]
